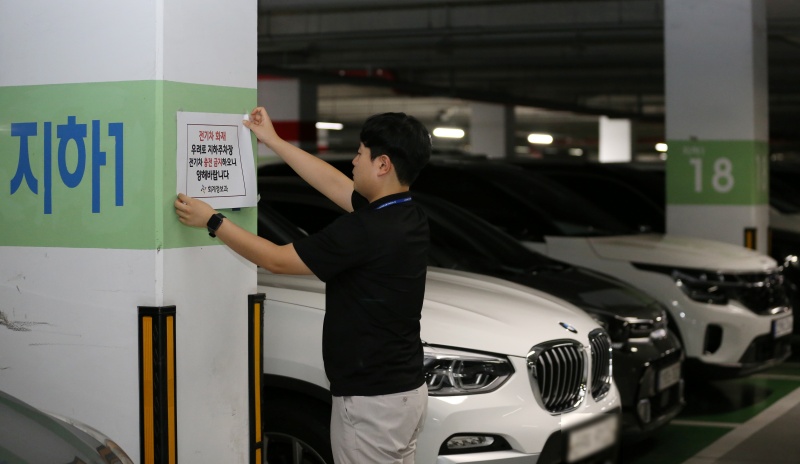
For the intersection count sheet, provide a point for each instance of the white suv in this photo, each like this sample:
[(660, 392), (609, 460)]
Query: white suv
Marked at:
[(514, 375)]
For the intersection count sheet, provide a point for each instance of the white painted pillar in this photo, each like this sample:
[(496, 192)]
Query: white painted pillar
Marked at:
[(89, 95), (717, 120), (491, 130), (615, 140), (292, 107)]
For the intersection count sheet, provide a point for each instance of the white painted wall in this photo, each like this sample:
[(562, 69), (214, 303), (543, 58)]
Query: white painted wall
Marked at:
[(727, 222), (68, 332), (193, 41)]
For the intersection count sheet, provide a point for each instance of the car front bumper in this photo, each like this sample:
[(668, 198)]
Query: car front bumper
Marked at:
[(510, 414)]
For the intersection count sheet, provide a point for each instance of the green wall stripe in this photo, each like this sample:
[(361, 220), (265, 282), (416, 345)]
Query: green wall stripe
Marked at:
[(146, 111)]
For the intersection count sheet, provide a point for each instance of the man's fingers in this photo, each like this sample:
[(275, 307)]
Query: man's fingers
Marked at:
[(258, 115)]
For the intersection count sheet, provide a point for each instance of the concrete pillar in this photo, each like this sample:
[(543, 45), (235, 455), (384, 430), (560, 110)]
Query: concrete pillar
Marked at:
[(717, 120), (615, 140), (491, 130), (292, 106), (89, 96)]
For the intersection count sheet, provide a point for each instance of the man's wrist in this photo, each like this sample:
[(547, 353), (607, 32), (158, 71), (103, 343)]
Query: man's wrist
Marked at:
[(214, 223)]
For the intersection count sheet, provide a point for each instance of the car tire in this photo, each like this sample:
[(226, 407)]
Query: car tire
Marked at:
[(296, 431)]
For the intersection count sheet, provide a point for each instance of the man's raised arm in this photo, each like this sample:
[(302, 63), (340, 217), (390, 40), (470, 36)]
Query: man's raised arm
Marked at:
[(319, 174)]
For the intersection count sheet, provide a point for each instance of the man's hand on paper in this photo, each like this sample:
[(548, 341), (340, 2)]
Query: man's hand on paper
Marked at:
[(261, 125), (193, 212)]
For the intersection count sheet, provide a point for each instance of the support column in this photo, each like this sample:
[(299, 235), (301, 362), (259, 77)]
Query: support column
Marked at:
[(492, 130), (717, 120), (292, 106), (88, 146)]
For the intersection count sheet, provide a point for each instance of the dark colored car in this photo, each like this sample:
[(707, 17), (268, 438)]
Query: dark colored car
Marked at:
[(647, 357), (633, 195), (784, 198), (28, 435)]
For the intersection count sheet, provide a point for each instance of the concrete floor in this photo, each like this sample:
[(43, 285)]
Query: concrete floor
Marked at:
[(755, 420)]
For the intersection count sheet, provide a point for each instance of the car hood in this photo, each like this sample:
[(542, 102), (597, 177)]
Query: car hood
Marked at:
[(474, 312), (30, 435), (680, 251)]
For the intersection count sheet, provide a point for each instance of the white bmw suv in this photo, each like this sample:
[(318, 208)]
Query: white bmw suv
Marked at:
[(514, 375)]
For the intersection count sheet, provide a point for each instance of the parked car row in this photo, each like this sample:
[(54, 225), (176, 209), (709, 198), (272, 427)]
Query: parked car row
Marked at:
[(703, 283), (652, 301), (727, 303)]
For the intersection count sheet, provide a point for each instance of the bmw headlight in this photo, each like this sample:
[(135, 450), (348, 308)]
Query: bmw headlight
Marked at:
[(451, 372)]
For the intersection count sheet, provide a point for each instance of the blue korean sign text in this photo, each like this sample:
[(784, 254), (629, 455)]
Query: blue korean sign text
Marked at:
[(72, 131)]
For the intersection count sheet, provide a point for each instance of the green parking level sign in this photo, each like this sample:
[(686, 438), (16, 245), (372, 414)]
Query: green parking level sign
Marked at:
[(717, 172)]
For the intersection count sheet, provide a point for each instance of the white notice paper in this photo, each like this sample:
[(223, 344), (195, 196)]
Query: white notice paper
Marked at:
[(215, 159)]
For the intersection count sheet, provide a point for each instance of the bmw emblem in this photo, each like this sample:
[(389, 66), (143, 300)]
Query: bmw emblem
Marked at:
[(568, 327)]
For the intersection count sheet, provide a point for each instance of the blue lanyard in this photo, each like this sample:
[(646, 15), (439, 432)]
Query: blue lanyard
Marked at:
[(390, 203)]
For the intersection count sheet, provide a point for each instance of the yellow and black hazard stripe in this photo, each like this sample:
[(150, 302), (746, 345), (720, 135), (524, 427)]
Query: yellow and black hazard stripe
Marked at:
[(256, 370), (157, 415), (750, 238)]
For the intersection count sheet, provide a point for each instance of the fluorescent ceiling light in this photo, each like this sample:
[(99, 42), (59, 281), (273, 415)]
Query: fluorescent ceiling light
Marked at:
[(541, 139), (662, 147), (330, 125), (448, 132)]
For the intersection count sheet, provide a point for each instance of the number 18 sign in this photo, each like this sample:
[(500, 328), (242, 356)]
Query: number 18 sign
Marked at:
[(215, 159)]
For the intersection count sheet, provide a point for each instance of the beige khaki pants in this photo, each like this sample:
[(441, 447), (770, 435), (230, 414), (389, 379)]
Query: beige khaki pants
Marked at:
[(377, 429)]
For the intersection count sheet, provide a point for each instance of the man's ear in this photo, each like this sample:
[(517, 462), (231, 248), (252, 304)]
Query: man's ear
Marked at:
[(385, 164)]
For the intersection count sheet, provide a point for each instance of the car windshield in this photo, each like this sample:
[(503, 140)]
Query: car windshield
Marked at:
[(524, 205), (462, 240), (622, 201)]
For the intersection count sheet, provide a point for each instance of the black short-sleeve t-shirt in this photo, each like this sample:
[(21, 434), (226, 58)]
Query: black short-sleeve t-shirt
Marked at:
[(373, 261)]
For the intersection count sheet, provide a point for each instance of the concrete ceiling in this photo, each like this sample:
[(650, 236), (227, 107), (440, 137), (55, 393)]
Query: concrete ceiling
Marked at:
[(561, 63)]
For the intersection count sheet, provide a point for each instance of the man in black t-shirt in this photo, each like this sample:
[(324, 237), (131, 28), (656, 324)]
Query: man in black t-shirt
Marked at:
[(373, 262)]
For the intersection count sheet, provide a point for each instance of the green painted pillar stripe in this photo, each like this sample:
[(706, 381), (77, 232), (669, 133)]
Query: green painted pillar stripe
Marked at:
[(81, 165), (717, 172)]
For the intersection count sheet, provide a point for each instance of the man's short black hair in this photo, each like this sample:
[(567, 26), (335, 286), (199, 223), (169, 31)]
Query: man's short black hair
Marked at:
[(402, 138)]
